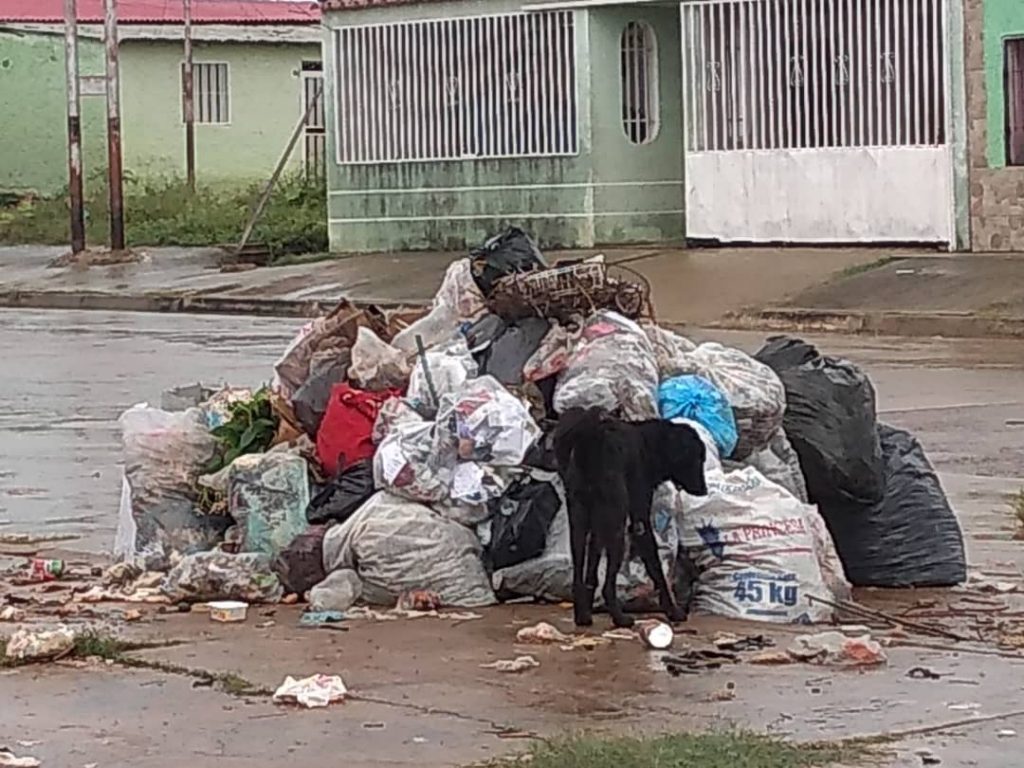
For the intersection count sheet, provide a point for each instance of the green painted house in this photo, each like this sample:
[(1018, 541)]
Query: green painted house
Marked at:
[(995, 99), (256, 66), (596, 122)]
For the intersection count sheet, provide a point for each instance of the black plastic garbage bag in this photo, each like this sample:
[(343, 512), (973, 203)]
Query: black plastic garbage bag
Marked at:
[(522, 517), (300, 565), (506, 356), (311, 399), (343, 495), (830, 421), (909, 539), (505, 254)]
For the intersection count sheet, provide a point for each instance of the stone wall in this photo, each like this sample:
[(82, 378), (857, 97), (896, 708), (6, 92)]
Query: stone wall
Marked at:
[(997, 193)]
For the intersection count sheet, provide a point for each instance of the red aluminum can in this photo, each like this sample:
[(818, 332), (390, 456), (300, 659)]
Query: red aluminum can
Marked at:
[(47, 570)]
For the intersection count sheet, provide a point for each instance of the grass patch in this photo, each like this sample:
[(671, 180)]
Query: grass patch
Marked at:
[(164, 212), (696, 750), (860, 269), (1017, 507)]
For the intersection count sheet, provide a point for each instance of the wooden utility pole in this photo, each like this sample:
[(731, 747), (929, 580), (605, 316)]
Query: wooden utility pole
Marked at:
[(114, 162), (189, 99), (75, 197)]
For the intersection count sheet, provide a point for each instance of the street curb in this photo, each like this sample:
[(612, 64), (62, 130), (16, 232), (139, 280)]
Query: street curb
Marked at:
[(194, 304), (882, 323)]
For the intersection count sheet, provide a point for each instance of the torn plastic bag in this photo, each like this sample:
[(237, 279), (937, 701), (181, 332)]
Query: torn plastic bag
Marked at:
[(779, 463), (671, 351), (552, 355), (759, 550), (830, 421), (396, 411), (397, 545), (490, 423), (164, 454), (511, 252), (909, 539), (300, 565), (345, 435), (520, 522), (342, 495), (207, 576), (376, 365), (507, 355), (612, 368), (449, 366), (416, 460), (330, 334), (311, 399), (267, 495), (697, 399), (753, 389), (457, 300), (475, 484), (339, 591)]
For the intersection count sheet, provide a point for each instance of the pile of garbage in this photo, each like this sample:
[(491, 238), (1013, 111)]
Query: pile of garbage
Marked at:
[(405, 458)]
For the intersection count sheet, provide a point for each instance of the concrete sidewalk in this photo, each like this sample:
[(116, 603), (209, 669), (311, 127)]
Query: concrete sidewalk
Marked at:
[(689, 286)]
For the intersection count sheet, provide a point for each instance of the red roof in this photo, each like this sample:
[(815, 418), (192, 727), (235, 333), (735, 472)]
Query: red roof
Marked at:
[(166, 11), (351, 5)]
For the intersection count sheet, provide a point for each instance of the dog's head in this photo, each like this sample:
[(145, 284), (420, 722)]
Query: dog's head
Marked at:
[(684, 453)]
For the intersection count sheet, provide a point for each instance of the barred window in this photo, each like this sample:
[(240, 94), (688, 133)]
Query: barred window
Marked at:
[(210, 96), (638, 72), (1015, 102), (482, 87)]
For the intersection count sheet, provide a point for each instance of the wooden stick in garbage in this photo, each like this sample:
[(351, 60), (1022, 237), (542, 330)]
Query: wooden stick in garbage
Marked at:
[(421, 350), (859, 610)]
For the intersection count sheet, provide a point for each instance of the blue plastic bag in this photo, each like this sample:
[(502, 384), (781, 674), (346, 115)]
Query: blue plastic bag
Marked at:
[(697, 399)]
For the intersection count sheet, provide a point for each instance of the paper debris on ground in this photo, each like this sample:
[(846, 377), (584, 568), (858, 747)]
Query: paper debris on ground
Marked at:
[(313, 691), (837, 648), (541, 634), (9, 760), (27, 645), (519, 664), (585, 643)]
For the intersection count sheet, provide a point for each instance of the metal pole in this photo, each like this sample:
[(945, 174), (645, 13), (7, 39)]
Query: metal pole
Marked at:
[(114, 163), (262, 203), (75, 197), (189, 97)]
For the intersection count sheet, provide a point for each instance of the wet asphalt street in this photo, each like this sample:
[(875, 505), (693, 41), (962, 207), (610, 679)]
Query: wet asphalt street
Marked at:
[(68, 375), (65, 378)]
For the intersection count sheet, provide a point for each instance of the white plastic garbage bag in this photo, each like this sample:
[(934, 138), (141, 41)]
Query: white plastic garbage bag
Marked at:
[(164, 453), (416, 460), (671, 351), (394, 412), (209, 576), (457, 300), (398, 545), (376, 365), (491, 424), (759, 550), (612, 367), (754, 390), (449, 365), (553, 354)]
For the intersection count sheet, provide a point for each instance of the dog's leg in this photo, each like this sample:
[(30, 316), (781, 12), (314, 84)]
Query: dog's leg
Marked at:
[(649, 554), (582, 595), (616, 549)]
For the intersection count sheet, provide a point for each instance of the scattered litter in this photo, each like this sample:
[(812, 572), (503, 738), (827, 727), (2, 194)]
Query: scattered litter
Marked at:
[(619, 634), (45, 570), (228, 611), (656, 635), (419, 600), (10, 613), (318, 619), (374, 726), (769, 658), (541, 634), (1006, 733), (923, 673), (692, 661), (9, 760), (727, 641), (519, 664), (725, 693), (836, 648), (970, 706), (315, 691), (40, 645), (585, 643)]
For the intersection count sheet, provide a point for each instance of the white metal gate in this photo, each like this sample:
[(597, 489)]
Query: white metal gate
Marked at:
[(817, 120)]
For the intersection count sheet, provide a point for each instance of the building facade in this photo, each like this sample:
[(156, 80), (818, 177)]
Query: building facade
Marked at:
[(253, 75), (995, 94)]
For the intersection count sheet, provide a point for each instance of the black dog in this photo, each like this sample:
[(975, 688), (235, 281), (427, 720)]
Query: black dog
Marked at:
[(610, 469)]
